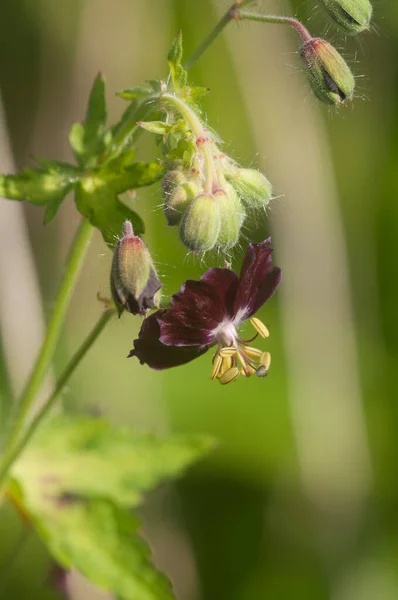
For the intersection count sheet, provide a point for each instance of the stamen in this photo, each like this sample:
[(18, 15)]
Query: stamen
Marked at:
[(259, 327), (265, 360), (253, 352), (227, 363), (229, 376), (228, 351), (216, 366), (249, 371), (262, 371)]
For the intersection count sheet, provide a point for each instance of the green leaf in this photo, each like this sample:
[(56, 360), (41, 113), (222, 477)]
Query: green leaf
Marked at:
[(101, 541), (158, 127), (177, 72), (192, 95), (96, 201), (88, 139), (87, 457), (156, 85), (48, 184), (97, 197), (135, 93)]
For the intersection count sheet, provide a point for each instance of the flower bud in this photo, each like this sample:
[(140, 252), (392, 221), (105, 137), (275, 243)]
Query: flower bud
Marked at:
[(178, 202), (200, 224), (252, 186), (134, 282), (230, 219), (172, 179), (353, 16), (329, 75)]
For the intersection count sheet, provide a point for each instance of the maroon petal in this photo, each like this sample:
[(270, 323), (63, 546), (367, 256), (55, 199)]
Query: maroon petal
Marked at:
[(197, 305), (255, 275), (149, 349), (225, 282), (173, 333), (267, 288)]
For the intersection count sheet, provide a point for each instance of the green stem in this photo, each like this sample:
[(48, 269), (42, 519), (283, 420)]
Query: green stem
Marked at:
[(199, 132), (128, 131), (15, 450), (231, 15), (279, 20), (73, 267)]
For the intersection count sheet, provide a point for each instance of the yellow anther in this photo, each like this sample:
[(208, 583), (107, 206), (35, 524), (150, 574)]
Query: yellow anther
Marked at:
[(248, 370), (253, 352), (226, 364), (265, 360), (229, 375), (227, 351), (259, 327), (217, 362)]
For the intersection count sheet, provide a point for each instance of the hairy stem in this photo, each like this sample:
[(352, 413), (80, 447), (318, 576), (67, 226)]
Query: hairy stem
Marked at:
[(128, 131), (73, 267), (199, 132), (15, 450), (303, 32), (231, 15)]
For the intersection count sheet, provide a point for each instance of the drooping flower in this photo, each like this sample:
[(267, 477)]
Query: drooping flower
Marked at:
[(208, 313)]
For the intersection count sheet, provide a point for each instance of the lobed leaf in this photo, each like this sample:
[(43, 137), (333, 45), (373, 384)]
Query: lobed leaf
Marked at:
[(88, 139), (87, 457), (97, 196), (100, 540), (48, 184), (177, 72)]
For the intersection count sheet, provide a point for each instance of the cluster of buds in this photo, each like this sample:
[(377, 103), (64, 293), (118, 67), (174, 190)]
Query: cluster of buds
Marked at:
[(205, 193)]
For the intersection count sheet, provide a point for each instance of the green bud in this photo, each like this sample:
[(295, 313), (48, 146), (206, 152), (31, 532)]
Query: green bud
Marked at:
[(353, 16), (330, 77), (135, 286), (230, 219), (172, 179), (239, 208), (178, 202), (201, 223), (252, 186)]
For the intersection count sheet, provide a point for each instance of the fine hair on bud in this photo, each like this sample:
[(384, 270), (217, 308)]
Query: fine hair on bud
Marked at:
[(352, 16), (328, 73), (252, 186), (230, 219), (200, 224), (172, 179), (177, 203)]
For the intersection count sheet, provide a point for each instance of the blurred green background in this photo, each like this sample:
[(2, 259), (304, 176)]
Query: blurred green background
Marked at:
[(300, 500)]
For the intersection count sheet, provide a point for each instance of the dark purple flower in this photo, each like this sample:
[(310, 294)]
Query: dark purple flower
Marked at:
[(209, 312)]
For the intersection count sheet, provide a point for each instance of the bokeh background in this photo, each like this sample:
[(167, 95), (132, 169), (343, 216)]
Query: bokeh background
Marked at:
[(300, 500)]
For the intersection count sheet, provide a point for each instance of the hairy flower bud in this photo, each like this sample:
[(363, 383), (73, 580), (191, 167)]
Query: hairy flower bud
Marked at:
[(353, 16), (200, 224), (252, 186), (177, 203), (172, 179), (329, 75), (230, 218), (134, 282)]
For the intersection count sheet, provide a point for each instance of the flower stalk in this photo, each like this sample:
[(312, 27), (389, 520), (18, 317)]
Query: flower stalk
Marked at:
[(57, 319), (13, 451)]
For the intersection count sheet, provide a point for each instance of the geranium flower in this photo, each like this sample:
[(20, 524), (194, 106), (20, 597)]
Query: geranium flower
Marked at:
[(209, 312)]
